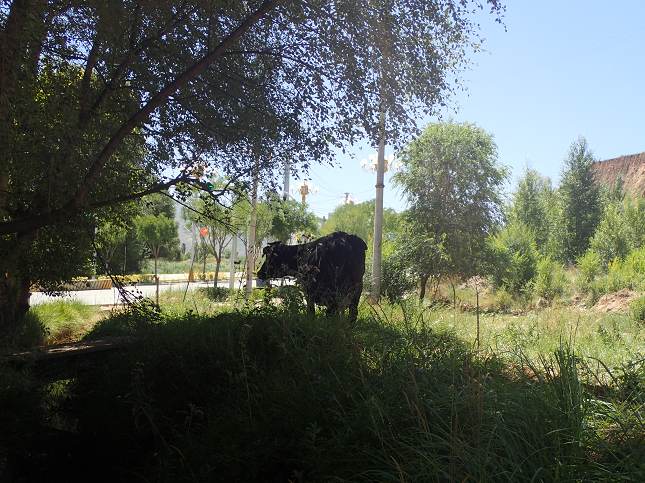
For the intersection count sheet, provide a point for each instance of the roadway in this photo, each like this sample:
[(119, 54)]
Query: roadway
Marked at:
[(112, 296)]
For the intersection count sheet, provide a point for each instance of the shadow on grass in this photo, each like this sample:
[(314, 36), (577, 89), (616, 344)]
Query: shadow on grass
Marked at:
[(268, 395)]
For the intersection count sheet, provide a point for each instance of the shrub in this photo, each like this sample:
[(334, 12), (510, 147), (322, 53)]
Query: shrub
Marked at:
[(637, 310), (216, 294), (613, 237), (621, 273), (396, 281), (550, 281), (514, 258), (589, 265), (503, 299)]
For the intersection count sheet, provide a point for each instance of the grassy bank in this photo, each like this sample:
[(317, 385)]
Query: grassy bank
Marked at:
[(269, 394)]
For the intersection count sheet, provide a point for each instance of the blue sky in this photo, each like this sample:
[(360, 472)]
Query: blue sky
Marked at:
[(562, 69)]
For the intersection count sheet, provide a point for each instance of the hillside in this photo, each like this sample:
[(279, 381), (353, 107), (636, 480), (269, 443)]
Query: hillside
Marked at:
[(631, 167)]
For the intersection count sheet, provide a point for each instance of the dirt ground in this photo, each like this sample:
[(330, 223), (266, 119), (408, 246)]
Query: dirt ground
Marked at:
[(616, 301)]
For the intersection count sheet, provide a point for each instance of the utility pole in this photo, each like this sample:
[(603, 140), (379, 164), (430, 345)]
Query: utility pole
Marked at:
[(287, 173), (250, 258)]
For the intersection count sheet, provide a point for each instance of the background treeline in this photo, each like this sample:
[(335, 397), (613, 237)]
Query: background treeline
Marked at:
[(537, 241)]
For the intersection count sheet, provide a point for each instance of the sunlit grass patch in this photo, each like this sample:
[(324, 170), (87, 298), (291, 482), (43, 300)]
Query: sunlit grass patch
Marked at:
[(59, 321)]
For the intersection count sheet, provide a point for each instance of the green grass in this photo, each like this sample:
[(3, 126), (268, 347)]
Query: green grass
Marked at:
[(56, 322), (399, 396), (213, 389)]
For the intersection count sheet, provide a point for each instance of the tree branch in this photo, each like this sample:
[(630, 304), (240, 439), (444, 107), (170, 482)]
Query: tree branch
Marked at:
[(161, 97), (77, 203)]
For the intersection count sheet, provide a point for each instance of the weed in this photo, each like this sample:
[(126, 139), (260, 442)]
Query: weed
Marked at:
[(216, 294), (519, 337), (610, 337)]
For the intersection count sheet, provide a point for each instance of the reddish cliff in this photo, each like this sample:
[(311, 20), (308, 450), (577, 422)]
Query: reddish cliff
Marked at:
[(631, 167)]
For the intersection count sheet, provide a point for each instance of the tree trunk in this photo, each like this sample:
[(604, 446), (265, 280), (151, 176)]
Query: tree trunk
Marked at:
[(15, 282), (157, 282), (424, 281), (14, 301), (454, 295)]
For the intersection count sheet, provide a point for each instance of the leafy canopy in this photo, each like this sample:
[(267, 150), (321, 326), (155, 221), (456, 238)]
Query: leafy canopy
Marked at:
[(101, 99), (358, 219)]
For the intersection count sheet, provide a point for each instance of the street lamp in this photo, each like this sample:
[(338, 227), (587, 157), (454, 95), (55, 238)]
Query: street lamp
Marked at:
[(348, 200), (373, 164), (379, 165), (305, 187)]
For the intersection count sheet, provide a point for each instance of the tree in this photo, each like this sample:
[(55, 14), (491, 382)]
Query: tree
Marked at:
[(207, 214), (530, 206), (515, 257), (156, 231), (84, 86), (276, 218), (291, 216), (579, 196), (613, 238), (452, 182), (109, 237), (635, 215), (358, 219)]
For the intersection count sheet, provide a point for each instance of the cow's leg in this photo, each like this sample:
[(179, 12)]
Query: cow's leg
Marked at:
[(311, 305), (353, 306), (332, 309)]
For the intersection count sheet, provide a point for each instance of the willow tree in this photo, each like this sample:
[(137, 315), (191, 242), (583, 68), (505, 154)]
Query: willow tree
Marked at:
[(99, 100)]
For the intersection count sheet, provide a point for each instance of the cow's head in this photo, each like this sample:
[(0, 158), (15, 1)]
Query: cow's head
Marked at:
[(272, 266)]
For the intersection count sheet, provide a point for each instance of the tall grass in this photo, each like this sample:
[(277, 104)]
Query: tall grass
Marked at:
[(402, 395), (55, 322), (268, 393)]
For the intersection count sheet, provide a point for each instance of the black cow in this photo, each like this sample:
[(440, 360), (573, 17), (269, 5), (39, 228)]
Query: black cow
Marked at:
[(330, 270)]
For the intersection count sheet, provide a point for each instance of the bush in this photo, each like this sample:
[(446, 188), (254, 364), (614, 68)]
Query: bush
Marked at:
[(613, 237), (626, 273), (589, 265), (503, 299), (515, 258), (396, 281), (217, 294), (637, 310), (550, 281), (31, 332)]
